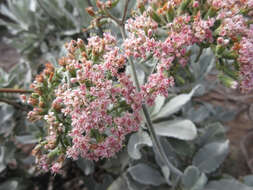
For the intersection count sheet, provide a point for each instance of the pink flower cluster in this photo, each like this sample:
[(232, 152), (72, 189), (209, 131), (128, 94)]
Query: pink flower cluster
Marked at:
[(90, 104), (237, 31), (246, 60), (224, 22), (103, 103), (142, 42)]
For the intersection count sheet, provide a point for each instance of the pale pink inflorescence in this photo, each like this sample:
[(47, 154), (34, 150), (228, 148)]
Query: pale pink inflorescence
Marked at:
[(95, 104), (185, 29), (181, 33), (104, 105)]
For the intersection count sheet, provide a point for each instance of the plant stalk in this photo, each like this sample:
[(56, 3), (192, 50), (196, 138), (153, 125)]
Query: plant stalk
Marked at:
[(154, 137)]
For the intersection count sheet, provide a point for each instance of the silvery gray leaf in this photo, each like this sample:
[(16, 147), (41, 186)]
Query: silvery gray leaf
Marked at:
[(211, 156), (136, 141), (159, 102), (199, 114), (144, 174), (212, 132), (181, 129), (248, 180), (10, 185), (132, 184), (169, 151), (118, 184), (227, 184), (175, 104), (87, 166), (193, 179)]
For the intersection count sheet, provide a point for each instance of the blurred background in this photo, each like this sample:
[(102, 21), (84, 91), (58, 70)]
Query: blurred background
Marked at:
[(32, 33)]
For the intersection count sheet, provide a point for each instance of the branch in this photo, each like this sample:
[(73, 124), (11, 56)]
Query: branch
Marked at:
[(17, 91), (112, 17), (125, 11), (14, 104)]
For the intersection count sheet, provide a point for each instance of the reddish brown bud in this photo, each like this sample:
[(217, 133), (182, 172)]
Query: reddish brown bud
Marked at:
[(36, 150), (41, 104), (90, 11), (38, 91), (57, 106), (62, 61), (32, 101), (51, 76)]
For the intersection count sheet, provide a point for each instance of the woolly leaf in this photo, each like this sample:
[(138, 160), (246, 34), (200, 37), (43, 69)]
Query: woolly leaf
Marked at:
[(86, 166), (248, 180), (159, 102), (213, 132), (11, 184), (193, 179), (136, 141), (144, 174), (175, 104), (119, 183), (210, 157), (181, 129), (227, 184)]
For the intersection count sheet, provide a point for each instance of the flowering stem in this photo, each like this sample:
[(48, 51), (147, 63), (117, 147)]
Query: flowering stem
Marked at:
[(154, 137)]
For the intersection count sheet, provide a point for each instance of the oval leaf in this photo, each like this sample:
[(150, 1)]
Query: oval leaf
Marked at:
[(119, 183), (175, 104), (144, 174), (210, 157), (136, 141), (227, 184), (87, 166), (180, 129), (193, 179)]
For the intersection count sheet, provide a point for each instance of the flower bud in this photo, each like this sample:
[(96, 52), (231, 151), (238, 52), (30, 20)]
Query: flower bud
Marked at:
[(32, 101), (228, 81), (90, 11), (99, 4), (141, 7), (54, 153), (219, 49), (36, 150), (195, 4), (108, 4)]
